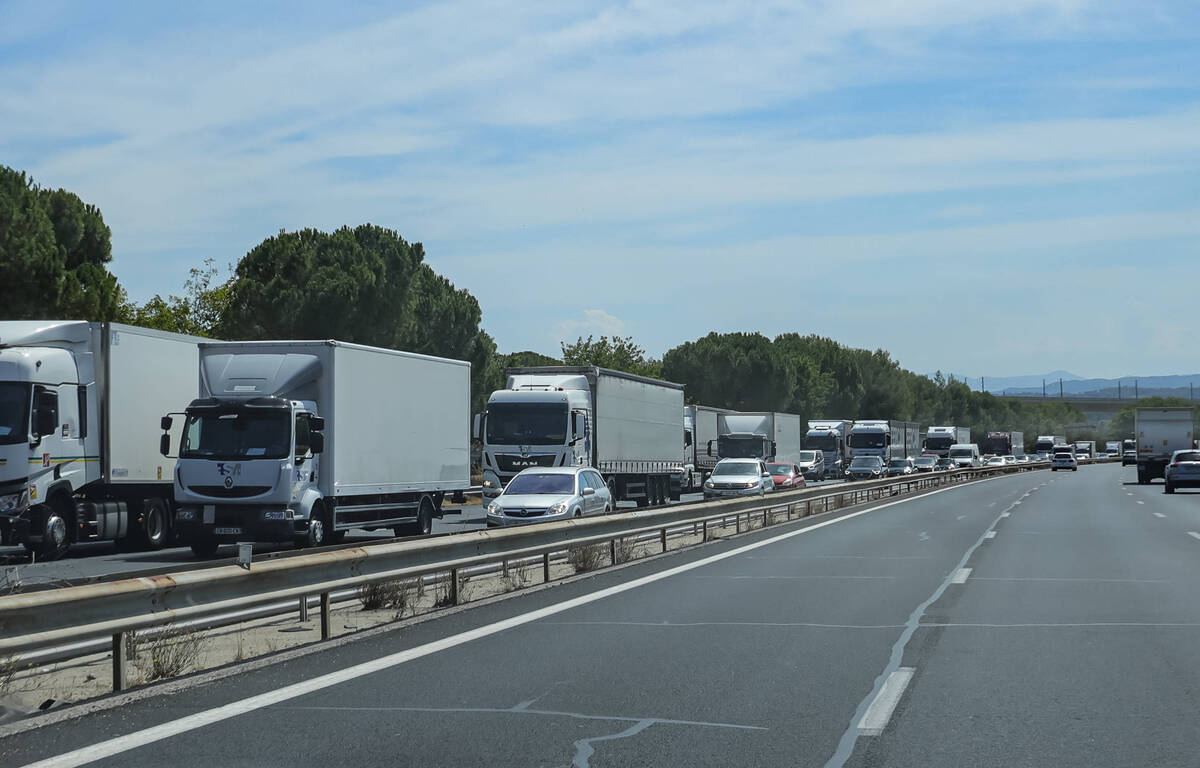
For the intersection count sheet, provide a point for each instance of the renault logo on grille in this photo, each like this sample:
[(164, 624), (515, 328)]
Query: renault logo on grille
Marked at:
[(229, 482)]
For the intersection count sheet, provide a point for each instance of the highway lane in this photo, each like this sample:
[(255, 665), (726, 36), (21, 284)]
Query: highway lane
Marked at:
[(758, 650)]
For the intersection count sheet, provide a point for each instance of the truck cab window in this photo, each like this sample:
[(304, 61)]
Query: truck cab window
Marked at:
[(303, 442), (45, 411)]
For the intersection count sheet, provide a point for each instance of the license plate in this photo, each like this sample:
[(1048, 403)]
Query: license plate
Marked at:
[(227, 531)]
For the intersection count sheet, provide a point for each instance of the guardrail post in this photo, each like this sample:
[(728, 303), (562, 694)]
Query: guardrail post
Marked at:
[(454, 586), (662, 536), (765, 513), (325, 616), (612, 551), (118, 662), (704, 530), (738, 522), (303, 607), (546, 567)]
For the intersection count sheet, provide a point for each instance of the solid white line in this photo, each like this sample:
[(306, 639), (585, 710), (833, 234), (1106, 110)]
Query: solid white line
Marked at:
[(1141, 502), (1005, 514), (990, 535), (1159, 514), (1128, 494), (1194, 535), (116, 746), (881, 709), (962, 574)]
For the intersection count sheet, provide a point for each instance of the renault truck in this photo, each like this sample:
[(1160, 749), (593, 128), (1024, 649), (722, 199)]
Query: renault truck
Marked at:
[(624, 425), (831, 438), (762, 435), (301, 441), (79, 409)]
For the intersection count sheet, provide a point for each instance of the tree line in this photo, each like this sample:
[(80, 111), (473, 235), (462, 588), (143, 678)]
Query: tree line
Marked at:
[(370, 286)]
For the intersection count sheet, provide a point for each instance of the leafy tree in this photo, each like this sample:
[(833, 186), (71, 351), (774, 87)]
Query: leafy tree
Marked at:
[(197, 312), (54, 252), (618, 353), (741, 371)]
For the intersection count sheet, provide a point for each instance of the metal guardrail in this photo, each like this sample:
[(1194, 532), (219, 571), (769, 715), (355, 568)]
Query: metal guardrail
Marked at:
[(75, 614)]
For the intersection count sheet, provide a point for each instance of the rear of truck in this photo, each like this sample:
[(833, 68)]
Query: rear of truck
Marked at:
[(1159, 433)]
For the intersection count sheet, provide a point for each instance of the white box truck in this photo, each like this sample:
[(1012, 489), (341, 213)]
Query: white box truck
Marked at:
[(831, 438), (1045, 444), (79, 411), (1085, 449), (1159, 433), (626, 426), (303, 440), (939, 439), (765, 435), (885, 439)]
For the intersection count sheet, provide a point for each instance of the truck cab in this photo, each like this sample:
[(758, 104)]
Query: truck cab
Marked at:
[(262, 451)]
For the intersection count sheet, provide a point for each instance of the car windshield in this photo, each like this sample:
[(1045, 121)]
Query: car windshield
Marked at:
[(866, 462), (897, 463), (1190, 456), (14, 412), (736, 468), (527, 423), (924, 462), (537, 483), (807, 456), (779, 469), (962, 453), (237, 434)]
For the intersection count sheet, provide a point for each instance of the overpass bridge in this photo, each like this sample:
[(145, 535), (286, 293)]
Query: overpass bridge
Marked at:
[(1097, 410)]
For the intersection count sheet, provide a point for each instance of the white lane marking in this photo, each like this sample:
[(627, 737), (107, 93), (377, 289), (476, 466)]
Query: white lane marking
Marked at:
[(1128, 494), (1015, 503), (990, 535), (1141, 502), (961, 576), (119, 744), (1194, 535), (991, 505), (881, 709), (961, 517), (1159, 514), (1005, 514)]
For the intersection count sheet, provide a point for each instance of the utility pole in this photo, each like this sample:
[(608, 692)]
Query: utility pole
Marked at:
[(1043, 389), (1060, 389), (1118, 389), (982, 384), (1135, 390)]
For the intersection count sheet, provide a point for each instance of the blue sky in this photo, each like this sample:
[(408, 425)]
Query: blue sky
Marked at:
[(991, 188)]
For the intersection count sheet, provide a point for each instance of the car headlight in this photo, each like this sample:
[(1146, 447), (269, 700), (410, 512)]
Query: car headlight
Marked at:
[(14, 502), (557, 509), (709, 484), (495, 510), (752, 485)]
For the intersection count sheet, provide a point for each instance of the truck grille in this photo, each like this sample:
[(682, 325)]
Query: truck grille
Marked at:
[(236, 492), (510, 463)]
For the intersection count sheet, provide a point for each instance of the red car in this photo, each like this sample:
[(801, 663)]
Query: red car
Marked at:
[(786, 476)]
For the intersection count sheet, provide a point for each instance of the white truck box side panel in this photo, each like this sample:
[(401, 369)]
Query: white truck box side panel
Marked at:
[(637, 420), (148, 376), (401, 421), (1162, 431), (788, 436)]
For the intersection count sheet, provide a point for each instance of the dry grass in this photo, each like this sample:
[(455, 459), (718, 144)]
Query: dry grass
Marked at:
[(173, 651), (386, 594), (442, 597), (586, 558), (624, 551), (518, 577)]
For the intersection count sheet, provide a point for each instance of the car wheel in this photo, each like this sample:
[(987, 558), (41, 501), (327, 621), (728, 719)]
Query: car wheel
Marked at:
[(1168, 488)]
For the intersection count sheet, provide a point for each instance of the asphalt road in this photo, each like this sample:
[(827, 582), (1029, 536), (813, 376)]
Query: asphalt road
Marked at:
[(862, 640)]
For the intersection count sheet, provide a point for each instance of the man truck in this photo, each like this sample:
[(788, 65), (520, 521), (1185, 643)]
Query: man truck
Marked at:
[(885, 439), (79, 408), (939, 439), (831, 438), (625, 426), (303, 440), (1159, 433), (763, 435)]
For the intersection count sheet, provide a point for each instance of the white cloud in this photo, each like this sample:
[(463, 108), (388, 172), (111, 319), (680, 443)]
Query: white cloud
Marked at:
[(595, 322)]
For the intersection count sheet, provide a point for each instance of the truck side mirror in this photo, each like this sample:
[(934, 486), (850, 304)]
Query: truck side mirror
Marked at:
[(165, 423), (164, 442), (316, 442), (710, 447), (579, 424), (687, 439), (477, 427), (316, 423)]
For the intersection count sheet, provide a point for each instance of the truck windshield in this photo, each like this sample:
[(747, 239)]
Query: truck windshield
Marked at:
[(939, 442), (866, 440), (730, 447), (14, 412), (527, 424), (823, 442), (238, 434), (1044, 446)]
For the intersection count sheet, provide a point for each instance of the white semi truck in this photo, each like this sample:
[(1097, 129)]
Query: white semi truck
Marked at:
[(1159, 433), (885, 439), (939, 439), (699, 428), (79, 410), (831, 438), (1045, 444), (303, 440), (626, 426), (764, 435)]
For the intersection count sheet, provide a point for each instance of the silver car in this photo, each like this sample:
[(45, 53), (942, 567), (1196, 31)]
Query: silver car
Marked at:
[(738, 477), (546, 494), (1183, 471)]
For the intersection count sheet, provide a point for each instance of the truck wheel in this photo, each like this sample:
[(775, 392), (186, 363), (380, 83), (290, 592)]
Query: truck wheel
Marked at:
[(155, 530), (424, 524), (56, 533), (205, 548), (1168, 488), (1143, 477)]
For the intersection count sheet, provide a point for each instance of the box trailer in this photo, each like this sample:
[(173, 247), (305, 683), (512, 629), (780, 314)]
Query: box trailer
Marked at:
[(303, 440), (1159, 433)]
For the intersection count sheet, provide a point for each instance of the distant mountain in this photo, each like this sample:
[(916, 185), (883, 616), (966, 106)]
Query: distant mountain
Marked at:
[(1145, 386)]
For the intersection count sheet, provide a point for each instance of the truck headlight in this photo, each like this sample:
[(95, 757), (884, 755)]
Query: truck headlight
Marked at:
[(15, 502), (495, 510)]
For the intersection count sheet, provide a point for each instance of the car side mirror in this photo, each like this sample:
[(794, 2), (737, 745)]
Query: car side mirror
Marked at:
[(766, 474), (316, 442), (588, 492)]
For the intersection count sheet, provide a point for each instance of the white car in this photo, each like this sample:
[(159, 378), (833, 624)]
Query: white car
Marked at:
[(995, 461), (1063, 461), (546, 494), (1009, 460), (1183, 471), (738, 477)]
